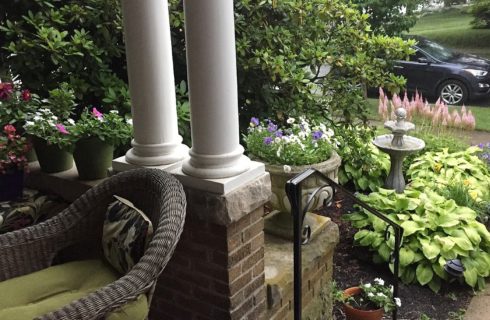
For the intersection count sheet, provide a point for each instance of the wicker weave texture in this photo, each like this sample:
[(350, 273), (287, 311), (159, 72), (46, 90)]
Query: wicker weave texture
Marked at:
[(76, 233)]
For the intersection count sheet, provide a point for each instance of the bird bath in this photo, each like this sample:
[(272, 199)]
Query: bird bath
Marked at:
[(398, 145)]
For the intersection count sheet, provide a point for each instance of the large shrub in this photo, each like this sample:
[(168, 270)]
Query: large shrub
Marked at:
[(80, 42)]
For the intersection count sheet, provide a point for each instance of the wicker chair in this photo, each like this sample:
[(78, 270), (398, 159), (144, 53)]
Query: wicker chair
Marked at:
[(76, 233)]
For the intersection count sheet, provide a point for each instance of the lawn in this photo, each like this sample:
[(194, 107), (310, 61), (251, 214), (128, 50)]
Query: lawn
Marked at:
[(482, 114), (452, 28)]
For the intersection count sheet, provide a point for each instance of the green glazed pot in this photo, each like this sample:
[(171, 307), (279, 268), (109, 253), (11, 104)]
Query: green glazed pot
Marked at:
[(93, 157), (51, 158)]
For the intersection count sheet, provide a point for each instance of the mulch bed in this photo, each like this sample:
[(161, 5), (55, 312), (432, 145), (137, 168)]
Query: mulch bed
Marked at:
[(353, 265)]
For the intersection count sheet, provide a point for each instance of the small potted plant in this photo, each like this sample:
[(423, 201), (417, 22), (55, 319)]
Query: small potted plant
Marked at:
[(52, 140), (369, 301), (13, 161), (287, 150), (97, 135)]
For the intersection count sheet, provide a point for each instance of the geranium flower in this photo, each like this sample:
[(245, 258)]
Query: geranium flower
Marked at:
[(9, 129), (26, 95), (96, 113), (61, 128), (6, 89)]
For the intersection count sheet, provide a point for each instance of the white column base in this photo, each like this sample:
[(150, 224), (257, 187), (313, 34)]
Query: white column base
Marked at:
[(224, 185), (156, 154), (219, 166), (158, 161)]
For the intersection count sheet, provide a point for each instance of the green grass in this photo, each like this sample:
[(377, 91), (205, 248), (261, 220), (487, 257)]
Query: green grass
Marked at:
[(452, 28), (482, 114)]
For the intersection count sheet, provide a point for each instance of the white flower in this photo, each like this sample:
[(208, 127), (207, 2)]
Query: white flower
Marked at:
[(129, 121), (37, 118), (379, 281), (391, 289), (71, 121), (367, 285), (277, 139), (114, 111), (51, 123), (370, 294), (54, 118), (29, 123), (302, 135), (286, 168), (398, 302), (290, 120), (286, 139), (381, 294)]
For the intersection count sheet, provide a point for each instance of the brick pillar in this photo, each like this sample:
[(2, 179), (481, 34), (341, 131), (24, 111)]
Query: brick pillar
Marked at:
[(217, 271)]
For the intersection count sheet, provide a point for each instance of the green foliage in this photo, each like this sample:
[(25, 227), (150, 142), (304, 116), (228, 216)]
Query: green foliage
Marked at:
[(13, 150), (386, 17), (301, 142), (362, 162), (435, 230), (110, 127), (436, 169), (183, 112), (47, 42), (61, 101), (480, 9)]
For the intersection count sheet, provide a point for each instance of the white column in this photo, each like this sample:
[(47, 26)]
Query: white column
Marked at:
[(151, 83), (212, 75)]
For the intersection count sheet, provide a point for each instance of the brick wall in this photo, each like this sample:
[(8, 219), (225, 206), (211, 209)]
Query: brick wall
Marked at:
[(216, 272)]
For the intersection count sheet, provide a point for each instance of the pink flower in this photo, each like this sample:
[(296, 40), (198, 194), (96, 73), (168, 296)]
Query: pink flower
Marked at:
[(96, 113), (9, 129), (6, 89), (61, 128), (26, 95)]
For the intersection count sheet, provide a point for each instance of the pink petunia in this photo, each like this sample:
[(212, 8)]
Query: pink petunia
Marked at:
[(61, 128), (96, 113)]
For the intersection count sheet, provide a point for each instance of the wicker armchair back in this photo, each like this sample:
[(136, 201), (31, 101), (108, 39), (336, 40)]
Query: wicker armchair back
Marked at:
[(75, 233)]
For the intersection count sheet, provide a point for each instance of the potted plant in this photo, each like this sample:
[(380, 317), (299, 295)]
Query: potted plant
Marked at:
[(97, 135), (15, 104), (13, 161), (286, 151), (368, 301), (52, 140)]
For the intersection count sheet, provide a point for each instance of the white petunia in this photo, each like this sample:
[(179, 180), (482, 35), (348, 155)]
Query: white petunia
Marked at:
[(398, 302), (290, 120), (286, 168)]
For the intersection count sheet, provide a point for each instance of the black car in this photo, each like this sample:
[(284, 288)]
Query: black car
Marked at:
[(440, 72)]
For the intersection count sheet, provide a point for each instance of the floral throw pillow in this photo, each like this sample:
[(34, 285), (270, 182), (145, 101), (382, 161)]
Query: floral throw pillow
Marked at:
[(126, 233)]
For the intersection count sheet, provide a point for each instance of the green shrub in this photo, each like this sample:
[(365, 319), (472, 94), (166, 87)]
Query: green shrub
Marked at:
[(362, 163), (49, 42), (435, 230), (480, 9)]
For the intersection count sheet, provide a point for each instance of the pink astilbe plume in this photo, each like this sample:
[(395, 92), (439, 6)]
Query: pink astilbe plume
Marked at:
[(471, 121)]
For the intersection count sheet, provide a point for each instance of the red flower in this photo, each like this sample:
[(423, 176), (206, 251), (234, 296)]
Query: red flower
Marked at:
[(26, 95), (9, 129), (6, 89)]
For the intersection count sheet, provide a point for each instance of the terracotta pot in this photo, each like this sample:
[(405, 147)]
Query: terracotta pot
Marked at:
[(357, 314)]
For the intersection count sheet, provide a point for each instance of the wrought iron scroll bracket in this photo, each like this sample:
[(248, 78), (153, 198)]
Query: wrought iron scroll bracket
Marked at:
[(302, 234)]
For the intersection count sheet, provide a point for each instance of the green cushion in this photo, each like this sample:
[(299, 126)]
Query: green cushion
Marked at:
[(38, 293)]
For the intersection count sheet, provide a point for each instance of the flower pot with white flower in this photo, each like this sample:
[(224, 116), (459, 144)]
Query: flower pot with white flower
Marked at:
[(286, 151), (369, 301), (52, 140), (13, 161), (97, 135)]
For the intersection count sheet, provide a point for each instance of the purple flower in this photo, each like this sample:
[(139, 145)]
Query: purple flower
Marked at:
[(271, 127), (254, 121), (317, 135), (279, 133), (268, 140), (480, 145)]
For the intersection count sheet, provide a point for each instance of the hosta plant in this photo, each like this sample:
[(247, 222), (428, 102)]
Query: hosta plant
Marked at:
[(435, 230), (436, 169)]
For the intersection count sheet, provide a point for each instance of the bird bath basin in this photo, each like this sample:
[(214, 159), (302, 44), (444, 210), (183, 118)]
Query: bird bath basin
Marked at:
[(398, 145)]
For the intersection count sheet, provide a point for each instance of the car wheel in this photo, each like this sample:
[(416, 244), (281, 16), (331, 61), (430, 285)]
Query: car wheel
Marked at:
[(453, 92)]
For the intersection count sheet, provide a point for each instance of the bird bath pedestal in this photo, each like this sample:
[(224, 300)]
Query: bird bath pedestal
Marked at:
[(398, 146)]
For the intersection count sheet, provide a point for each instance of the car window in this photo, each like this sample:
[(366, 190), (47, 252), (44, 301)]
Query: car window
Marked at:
[(414, 57), (436, 50)]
